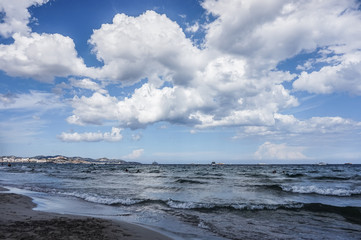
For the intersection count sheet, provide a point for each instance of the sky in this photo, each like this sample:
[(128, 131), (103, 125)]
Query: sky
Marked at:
[(182, 81)]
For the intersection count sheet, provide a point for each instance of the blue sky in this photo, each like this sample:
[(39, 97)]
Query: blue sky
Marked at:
[(231, 81)]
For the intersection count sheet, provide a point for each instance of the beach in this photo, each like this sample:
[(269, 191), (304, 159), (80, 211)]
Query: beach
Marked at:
[(19, 221)]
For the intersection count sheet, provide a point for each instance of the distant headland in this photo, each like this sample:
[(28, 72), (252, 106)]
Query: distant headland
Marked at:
[(59, 159)]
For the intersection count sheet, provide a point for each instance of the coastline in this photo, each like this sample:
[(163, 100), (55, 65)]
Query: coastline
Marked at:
[(18, 220)]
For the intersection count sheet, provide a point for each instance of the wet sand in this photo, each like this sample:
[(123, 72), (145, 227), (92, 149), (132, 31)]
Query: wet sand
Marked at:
[(19, 221)]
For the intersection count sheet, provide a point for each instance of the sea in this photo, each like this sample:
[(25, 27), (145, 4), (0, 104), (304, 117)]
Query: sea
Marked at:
[(202, 201)]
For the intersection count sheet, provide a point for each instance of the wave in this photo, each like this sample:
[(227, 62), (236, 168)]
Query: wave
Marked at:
[(160, 176), (80, 177), (352, 214), (312, 189), (209, 177), (188, 205), (174, 204), (321, 190), (267, 206), (273, 187), (332, 178), (338, 178), (294, 175), (189, 181), (232, 207), (209, 174), (102, 199)]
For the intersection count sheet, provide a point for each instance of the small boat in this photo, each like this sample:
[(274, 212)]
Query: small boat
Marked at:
[(155, 163), (322, 163), (214, 163)]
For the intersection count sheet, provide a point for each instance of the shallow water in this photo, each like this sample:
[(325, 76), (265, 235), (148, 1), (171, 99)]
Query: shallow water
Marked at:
[(209, 202)]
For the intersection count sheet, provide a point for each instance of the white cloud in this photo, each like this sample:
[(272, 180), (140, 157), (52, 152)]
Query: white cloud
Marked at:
[(93, 110), (266, 33), (150, 45), (146, 106), (288, 125), (16, 16), (272, 151), (217, 90), (280, 29), (86, 83), (41, 56), (193, 28), (221, 95), (342, 77), (134, 155), (113, 136)]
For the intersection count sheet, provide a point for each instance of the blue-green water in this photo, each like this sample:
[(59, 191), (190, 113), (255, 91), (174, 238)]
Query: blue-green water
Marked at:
[(210, 202)]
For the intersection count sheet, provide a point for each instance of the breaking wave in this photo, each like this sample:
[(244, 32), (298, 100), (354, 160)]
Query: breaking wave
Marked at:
[(322, 190)]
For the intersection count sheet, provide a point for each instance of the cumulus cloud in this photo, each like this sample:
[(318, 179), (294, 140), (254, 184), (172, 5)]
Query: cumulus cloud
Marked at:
[(272, 151), (266, 33), (147, 105), (113, 136), (344, 76), (277, 30), (234, 98), (147, 46), (41, 56), (221, 95), (93, 110), (206, 89), (134, 155), (16, 16)]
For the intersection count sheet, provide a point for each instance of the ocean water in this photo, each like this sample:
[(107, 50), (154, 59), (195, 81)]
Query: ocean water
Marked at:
[(204, 201)]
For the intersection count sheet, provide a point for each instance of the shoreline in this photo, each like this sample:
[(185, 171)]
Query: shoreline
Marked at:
[(18, 220)]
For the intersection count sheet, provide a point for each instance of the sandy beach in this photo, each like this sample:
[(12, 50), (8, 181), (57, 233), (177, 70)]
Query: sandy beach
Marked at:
[(19, 221)]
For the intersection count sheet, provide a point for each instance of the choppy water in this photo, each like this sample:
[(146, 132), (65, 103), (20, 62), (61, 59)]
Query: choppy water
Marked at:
[(212, 202)]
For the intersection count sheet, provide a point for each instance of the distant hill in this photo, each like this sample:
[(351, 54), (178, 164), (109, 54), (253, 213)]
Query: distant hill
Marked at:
[(63, 160)]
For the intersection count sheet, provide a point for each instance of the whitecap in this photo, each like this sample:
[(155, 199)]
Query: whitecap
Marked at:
[(321, 190)]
